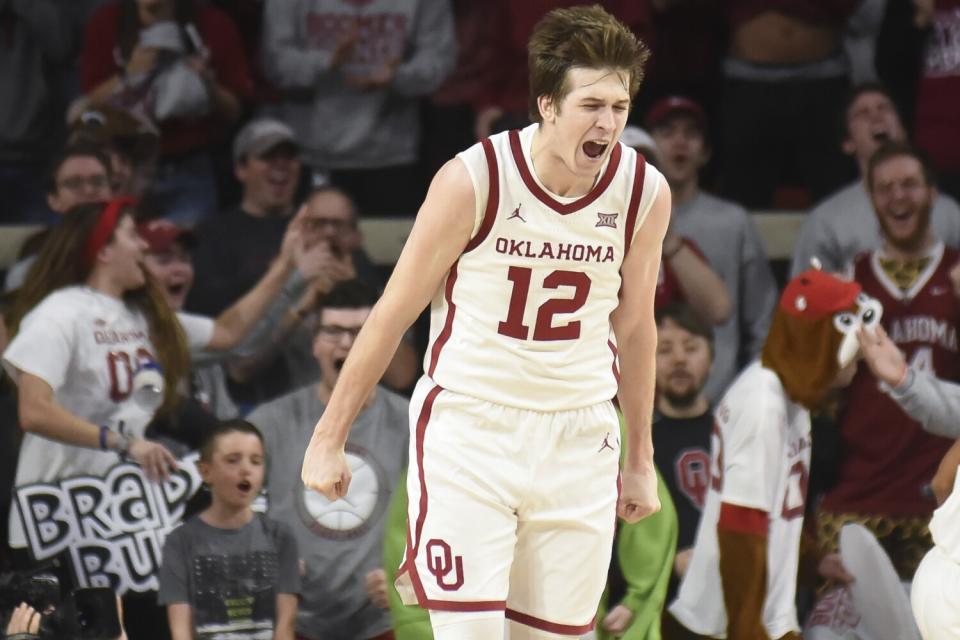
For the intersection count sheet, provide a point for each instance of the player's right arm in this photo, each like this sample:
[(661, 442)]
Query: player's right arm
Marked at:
[(442, 230)]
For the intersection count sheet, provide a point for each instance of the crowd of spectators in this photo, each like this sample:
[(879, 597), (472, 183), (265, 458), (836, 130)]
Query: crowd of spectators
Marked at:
[(241, 142)]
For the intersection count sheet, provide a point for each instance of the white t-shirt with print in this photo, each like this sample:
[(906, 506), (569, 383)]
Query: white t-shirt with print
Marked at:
[(86, 345)]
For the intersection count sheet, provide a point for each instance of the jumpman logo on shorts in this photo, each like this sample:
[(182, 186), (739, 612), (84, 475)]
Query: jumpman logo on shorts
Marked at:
[(516, 214), (606, 443)]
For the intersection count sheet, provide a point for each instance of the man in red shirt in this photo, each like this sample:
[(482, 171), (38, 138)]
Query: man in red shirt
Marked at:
[(888, 460)]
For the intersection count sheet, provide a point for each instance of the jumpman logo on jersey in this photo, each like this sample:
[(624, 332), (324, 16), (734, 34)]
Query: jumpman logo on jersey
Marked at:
[(516, 214), (606, 443)]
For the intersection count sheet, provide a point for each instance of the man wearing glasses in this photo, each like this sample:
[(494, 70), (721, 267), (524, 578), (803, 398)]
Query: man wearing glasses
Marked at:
[(80, 174), (343, 540)]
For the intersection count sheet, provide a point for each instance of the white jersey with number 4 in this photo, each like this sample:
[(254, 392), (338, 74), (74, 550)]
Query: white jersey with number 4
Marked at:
[(760, 459), (523, 317), (87, 346)]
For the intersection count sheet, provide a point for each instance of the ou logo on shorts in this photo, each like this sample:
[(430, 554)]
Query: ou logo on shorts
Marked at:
[(441, 562)]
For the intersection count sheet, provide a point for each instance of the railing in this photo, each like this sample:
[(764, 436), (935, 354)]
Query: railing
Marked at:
[(384, 237)]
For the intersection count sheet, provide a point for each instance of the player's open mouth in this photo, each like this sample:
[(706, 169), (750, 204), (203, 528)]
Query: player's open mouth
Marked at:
[(245, 486), (177, 289), (901, 216), (338, 363), (881, 136), (594, 149)]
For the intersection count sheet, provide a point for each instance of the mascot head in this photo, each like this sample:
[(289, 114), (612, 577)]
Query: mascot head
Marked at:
[(813, 336)]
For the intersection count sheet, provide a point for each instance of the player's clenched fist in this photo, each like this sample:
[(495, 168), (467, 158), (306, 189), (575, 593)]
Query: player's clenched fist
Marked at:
[(325, 469), (638, 494)]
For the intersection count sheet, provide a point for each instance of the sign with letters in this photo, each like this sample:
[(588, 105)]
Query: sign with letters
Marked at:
[(112, 528)]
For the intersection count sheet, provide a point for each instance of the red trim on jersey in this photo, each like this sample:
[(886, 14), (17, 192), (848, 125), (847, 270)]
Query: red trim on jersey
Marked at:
[(448, 324), (633, 208), (546, 198), (410, 560), (546, 625), (739, 519), (616, 370), (493, 197), (422, 421)]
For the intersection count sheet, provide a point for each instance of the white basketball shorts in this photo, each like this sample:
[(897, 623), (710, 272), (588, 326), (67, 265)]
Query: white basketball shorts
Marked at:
[(935, 596), (510, 510)]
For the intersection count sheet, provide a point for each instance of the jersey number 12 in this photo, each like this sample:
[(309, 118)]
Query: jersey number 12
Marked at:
[(544, 329)]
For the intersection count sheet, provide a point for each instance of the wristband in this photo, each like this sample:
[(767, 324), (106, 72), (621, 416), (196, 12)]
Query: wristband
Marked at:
[(104, 430)]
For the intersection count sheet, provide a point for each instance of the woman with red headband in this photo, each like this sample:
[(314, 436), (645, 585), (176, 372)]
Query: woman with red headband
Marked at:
[(90, 330)]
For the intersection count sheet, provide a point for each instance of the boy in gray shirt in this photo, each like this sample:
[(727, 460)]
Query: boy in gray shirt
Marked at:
[(229, 573)]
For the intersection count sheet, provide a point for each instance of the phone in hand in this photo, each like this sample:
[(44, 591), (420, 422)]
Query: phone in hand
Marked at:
[(97, 615)]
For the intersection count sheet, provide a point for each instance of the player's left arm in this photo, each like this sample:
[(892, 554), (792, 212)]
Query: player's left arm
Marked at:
[(636, 331)]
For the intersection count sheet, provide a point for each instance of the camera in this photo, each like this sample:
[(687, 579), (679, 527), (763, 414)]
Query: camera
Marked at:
[(86, 614)]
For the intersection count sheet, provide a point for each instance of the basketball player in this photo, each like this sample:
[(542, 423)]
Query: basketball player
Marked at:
[(888, 459), (538, 250)]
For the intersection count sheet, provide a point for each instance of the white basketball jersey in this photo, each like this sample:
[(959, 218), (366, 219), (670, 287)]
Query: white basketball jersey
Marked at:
[(523, 317), (86, 346), (760, 455)]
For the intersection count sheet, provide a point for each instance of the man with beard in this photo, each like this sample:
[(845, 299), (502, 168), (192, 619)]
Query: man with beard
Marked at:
[(888, 460), (843, 225), (681, 430)]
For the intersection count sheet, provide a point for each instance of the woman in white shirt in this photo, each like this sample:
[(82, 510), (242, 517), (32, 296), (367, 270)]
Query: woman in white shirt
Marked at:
[(89, 326)]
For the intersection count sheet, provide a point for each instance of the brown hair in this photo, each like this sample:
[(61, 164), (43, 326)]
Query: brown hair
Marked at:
[(896, 150), (223, 428), (853, 94), (60, 264), (79, 149), (685, 318), (580, 37)]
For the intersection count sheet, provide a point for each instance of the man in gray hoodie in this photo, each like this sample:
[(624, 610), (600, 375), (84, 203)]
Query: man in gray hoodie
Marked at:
[(351, 73)]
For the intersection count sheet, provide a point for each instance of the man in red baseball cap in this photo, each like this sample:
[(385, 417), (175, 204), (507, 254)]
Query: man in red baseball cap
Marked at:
[(168, 258), (742, 577), (722, 230)]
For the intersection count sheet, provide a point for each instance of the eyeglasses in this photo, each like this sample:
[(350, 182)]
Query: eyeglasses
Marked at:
[(334, 332), (76, 183)]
